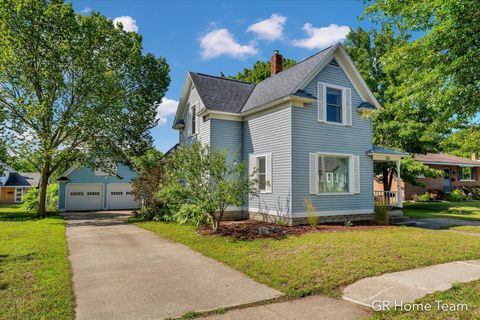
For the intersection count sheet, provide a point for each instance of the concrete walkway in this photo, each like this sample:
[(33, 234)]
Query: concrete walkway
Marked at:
[(440, 223), (314, 307), (406, 286), (121, 271)]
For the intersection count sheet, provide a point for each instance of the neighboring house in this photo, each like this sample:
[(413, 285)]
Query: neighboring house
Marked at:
[(458, 172), (13, 184), (84, 189), (305, 132)]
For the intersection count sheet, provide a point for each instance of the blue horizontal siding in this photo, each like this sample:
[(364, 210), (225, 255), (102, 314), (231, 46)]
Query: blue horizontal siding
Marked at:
[(309, 135)]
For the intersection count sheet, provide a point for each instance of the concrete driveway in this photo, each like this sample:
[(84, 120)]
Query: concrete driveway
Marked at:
[(121, 271), (440, 223)]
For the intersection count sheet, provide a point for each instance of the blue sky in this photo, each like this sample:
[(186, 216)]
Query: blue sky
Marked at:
[(221, 36)]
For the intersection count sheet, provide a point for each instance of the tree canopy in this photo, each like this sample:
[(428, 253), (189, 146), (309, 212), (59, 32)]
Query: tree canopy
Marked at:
[(464, 142), (260, 71), (74, 88)]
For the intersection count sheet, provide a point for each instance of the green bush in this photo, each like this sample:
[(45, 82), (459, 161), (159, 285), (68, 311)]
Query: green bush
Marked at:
[(423, 197), (381, 213), (189, 214), (457, 195), (31, 198)]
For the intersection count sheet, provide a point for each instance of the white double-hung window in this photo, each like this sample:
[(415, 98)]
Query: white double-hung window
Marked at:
[(260, 169), (193, 120), (334, 104), (334, 173)]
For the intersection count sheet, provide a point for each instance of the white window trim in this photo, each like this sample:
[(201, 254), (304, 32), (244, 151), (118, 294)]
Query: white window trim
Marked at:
[(351, 176), (270, 183), (338, 87)]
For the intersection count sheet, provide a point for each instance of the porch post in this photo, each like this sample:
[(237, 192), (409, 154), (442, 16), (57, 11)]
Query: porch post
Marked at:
[(399, 186)]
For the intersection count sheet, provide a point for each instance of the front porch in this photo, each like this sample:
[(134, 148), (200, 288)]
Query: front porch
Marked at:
[(392, 199)]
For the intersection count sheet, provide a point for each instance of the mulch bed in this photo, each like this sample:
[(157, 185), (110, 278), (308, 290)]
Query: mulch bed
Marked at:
[(248, 229)]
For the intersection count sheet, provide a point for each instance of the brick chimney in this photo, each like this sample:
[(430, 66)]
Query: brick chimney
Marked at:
[(475, 156), (276, 63)]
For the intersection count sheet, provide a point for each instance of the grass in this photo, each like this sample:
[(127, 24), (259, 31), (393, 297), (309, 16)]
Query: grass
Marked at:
[(323, 263), (464, 293), (471, 229), (35, 277), (465, 210)]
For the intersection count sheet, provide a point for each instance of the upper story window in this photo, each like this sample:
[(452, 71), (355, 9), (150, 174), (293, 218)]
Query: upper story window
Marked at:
[(334, 105), (193, 119)]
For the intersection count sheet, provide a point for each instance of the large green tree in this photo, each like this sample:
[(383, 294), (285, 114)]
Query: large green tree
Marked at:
[(73, 87), (260, 71), (394, 127), (438, 72), (464, 142)]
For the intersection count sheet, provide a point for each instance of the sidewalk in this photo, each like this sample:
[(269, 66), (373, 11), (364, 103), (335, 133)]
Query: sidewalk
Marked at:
[(406, 286), (314, 307)]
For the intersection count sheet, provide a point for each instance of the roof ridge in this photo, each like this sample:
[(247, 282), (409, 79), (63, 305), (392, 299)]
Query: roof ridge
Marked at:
[(296, 64), (222, 78)]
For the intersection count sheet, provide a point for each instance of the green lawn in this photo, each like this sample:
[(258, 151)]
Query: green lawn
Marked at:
[(464, 293), (465, 210), (35, 277), (325, 262), (471, 229)]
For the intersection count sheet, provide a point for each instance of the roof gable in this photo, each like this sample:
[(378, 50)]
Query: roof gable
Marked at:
[(232, 96)]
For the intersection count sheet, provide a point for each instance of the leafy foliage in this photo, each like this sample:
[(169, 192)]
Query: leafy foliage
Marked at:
[(203, 178), (145, 186), (437, 72), (74, 88), (260, 71), (311, 216), (463, 143), (457, 195), (31, 198)]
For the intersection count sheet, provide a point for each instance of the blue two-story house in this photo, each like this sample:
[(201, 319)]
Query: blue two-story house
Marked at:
[(305, 132)]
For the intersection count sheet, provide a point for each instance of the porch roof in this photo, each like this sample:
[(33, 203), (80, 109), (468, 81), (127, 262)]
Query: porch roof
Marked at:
[(385, 154)]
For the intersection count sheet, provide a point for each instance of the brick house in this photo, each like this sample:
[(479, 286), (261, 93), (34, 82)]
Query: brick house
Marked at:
[(458, 172)]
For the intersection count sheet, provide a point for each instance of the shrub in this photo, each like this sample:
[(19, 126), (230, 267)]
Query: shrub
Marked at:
[(424, 197), (381, 213), (348, 223), (457, 195), (31, 198), (311, 216), (190, 214)]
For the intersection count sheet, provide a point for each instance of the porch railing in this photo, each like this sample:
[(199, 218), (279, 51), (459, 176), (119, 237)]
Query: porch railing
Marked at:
[(389, 198)]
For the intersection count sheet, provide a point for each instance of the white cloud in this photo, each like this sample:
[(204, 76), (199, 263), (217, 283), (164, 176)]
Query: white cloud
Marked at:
[(165, 109), (86, 10), (269, 29), (221, 42), (320, 38), (129, 24)]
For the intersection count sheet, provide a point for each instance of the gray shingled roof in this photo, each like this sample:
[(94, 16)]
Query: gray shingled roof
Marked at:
[(284, 83), (221, 94), (24, 179)]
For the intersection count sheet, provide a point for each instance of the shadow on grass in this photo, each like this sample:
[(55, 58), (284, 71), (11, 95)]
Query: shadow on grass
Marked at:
[(25, 216)]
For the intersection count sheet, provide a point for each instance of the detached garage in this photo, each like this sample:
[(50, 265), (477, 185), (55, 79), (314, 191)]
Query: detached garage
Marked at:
[(84, 189)]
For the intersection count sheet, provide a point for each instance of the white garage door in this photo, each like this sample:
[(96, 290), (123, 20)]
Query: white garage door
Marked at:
[(84, 197), (120, 197)]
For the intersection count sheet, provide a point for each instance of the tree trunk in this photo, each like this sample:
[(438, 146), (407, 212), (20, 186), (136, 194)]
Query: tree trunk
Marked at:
[(385, 180), (41, 210)]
